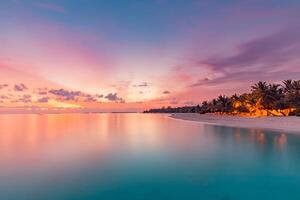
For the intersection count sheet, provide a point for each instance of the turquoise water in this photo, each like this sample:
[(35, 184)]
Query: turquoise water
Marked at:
[(142, 156)]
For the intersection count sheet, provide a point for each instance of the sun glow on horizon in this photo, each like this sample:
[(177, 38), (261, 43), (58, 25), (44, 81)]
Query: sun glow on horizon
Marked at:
[(171, 54), (57, 104)]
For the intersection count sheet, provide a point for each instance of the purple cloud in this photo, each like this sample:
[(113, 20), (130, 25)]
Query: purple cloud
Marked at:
[(69, 95), (43, 100), (90, 98), (99, 95), (265, 58), (26, 98), (42, 92), (266, 52), (66, 94), (20, 87), (114, 97), (249, 77)]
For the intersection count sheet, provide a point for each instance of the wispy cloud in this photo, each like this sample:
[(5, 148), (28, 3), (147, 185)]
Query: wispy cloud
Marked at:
[(3, 86), (50, 6), (69, 95), (268, 51), (26, 98), (90, 98), (248, 77), (42, 91), (4, 96), (189, 103), (143, 84), (259, 59), (20, 93)]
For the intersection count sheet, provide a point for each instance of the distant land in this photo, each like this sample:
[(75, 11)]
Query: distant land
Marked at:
[(264, 99)]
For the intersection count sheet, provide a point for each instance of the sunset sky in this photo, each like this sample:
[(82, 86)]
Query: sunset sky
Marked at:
[(131, 55)]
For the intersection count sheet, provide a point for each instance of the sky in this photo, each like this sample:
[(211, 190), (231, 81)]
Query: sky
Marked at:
[(131, 55)]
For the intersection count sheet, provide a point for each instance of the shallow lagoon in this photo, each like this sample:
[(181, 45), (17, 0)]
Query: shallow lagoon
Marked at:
[(142, 156)]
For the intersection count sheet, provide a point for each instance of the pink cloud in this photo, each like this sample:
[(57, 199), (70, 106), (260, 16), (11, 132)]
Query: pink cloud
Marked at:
[(51, 51)]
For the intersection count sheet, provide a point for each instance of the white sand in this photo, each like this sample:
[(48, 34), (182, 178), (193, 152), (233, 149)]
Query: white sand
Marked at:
[(289, 124)]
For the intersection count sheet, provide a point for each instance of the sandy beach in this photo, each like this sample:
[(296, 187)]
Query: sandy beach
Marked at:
[(289, 124)]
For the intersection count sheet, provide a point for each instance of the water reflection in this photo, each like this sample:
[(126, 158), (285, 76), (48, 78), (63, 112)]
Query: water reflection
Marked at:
[(101, 156), (62, 137), (280, 141), (254, 136)]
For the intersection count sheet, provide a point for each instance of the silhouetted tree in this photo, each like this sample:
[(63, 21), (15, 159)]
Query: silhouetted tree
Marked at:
[(273, 98)]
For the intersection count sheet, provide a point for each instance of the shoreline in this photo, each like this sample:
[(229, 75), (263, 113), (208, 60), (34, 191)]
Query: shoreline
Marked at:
[(289, 124)]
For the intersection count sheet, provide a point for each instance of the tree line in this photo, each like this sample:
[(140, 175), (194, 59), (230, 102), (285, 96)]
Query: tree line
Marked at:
[(264, 99)]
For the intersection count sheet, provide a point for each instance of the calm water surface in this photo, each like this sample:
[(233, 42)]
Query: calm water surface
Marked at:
[(142, 156)]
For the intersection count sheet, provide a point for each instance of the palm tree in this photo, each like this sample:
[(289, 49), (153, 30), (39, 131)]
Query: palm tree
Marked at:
[(235, 97), (267, 95), (275, 92), (259, 90), (213, 105), (292, 94), (287, 86), (263, 96), (204, 107), (223, 104)]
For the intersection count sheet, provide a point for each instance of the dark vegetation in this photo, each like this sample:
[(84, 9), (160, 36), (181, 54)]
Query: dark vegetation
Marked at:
[(264, 99)]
